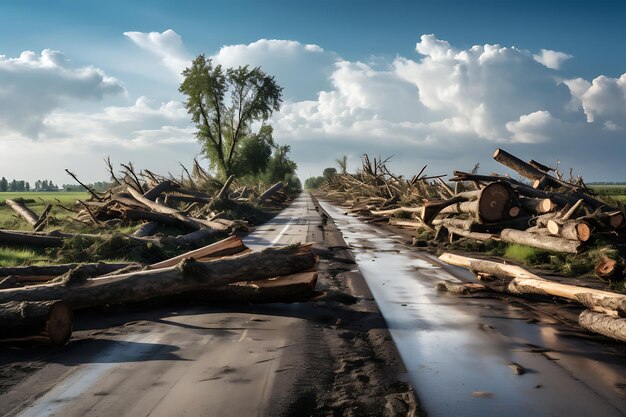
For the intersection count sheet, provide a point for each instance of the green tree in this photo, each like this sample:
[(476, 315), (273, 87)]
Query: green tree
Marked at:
[(222, 126), (254, 153), (329, 172), (4, 185), (280, 167)]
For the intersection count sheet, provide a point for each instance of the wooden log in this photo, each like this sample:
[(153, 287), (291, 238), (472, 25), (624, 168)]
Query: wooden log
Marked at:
[(528, 171), (431, 209), (284, 289), (193, 239), (456, 223), (537, 205), (270, 191), (570, 229), (227, 247), (26, 213), (50, 319), (41, 221), (23, 239), (50, 271), (552, 243), (612, 327), (540, 166), (608, 269), (160, 188), (406, 223), (471, 235), (492, 203), (186, 276), (613, 219), (525, 282), (390, 212), (147, 229)]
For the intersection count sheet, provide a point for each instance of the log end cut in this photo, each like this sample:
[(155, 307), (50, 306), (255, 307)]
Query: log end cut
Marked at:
[(59, 324)]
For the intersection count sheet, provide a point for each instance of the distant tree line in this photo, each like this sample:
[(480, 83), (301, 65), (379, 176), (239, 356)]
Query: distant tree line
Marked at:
[(46, 185), (316, 182)]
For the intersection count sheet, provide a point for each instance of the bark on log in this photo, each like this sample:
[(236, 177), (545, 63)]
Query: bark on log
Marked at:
[(406, 223), (193, 239), (471, 235), (433, 208), (284, 289), (41, 221), (552, 243), (570, 229), (492, 204), (50, 319), (603, 324), (227, 247), (50, 271), (26, 213), (270, 192), (187, 276), (528, 171), (525, 282)]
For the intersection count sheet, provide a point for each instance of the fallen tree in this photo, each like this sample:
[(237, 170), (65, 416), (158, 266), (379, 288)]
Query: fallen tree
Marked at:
[(49, 319)]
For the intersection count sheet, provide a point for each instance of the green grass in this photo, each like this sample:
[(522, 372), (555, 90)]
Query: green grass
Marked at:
[(10, 220), (16, 257)]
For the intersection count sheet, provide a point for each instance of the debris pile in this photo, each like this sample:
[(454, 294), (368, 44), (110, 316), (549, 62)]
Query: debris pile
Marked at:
[(541, 210), (37, 300)]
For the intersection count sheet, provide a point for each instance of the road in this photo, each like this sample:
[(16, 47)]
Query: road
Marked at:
[(190, 361), (325, 357), (458, 351)]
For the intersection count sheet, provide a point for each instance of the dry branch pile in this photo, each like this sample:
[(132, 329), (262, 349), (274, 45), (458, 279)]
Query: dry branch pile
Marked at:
[(40, 299), (541, 210)]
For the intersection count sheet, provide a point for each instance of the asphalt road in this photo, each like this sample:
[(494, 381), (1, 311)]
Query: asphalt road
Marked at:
[(191, 361)]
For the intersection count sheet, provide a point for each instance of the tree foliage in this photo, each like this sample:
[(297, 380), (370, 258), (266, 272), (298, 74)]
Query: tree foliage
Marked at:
[(224, 105)]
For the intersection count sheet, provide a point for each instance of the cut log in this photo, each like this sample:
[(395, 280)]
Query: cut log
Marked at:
[(270, 192), (285, 289), (393, 211), (26, 213), (555, 244), (227, 247), (193, 239), (612, 219), (528, 171), (525, 282), (406, 223), (537, 205), (603, 324), (570, 229), (50, 319), (608, 269), (492, 204), (187, 276)]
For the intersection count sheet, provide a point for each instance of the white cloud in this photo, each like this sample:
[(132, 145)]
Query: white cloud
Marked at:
[(168, 46), (33, 85), (551, 59)]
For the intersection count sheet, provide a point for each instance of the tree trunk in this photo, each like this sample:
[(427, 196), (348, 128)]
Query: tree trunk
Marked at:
[(528, 171), (552, 243), (492, 203), (270, 192), (433, 208), (23, 239), (525, 282), (26, 213), (608, 326), (50, 319), (470, 235), (227, 247), (187, 276), (193, 239), (41, 221)]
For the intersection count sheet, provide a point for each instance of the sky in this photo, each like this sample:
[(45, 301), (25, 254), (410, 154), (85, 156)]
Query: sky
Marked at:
[(442, 83)]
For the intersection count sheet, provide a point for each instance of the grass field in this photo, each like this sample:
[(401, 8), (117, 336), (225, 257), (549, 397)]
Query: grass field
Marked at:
[(47, 197), (616, 191)]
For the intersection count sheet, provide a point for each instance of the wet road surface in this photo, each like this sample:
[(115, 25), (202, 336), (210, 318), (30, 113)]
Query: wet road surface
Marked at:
[(457, 350)]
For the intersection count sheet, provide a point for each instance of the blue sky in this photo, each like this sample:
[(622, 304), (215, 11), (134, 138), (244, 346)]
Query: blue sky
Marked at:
[(340, 97)]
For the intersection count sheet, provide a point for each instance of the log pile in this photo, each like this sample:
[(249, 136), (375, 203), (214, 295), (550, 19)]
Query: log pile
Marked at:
[(39, 300), (542, 210)]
